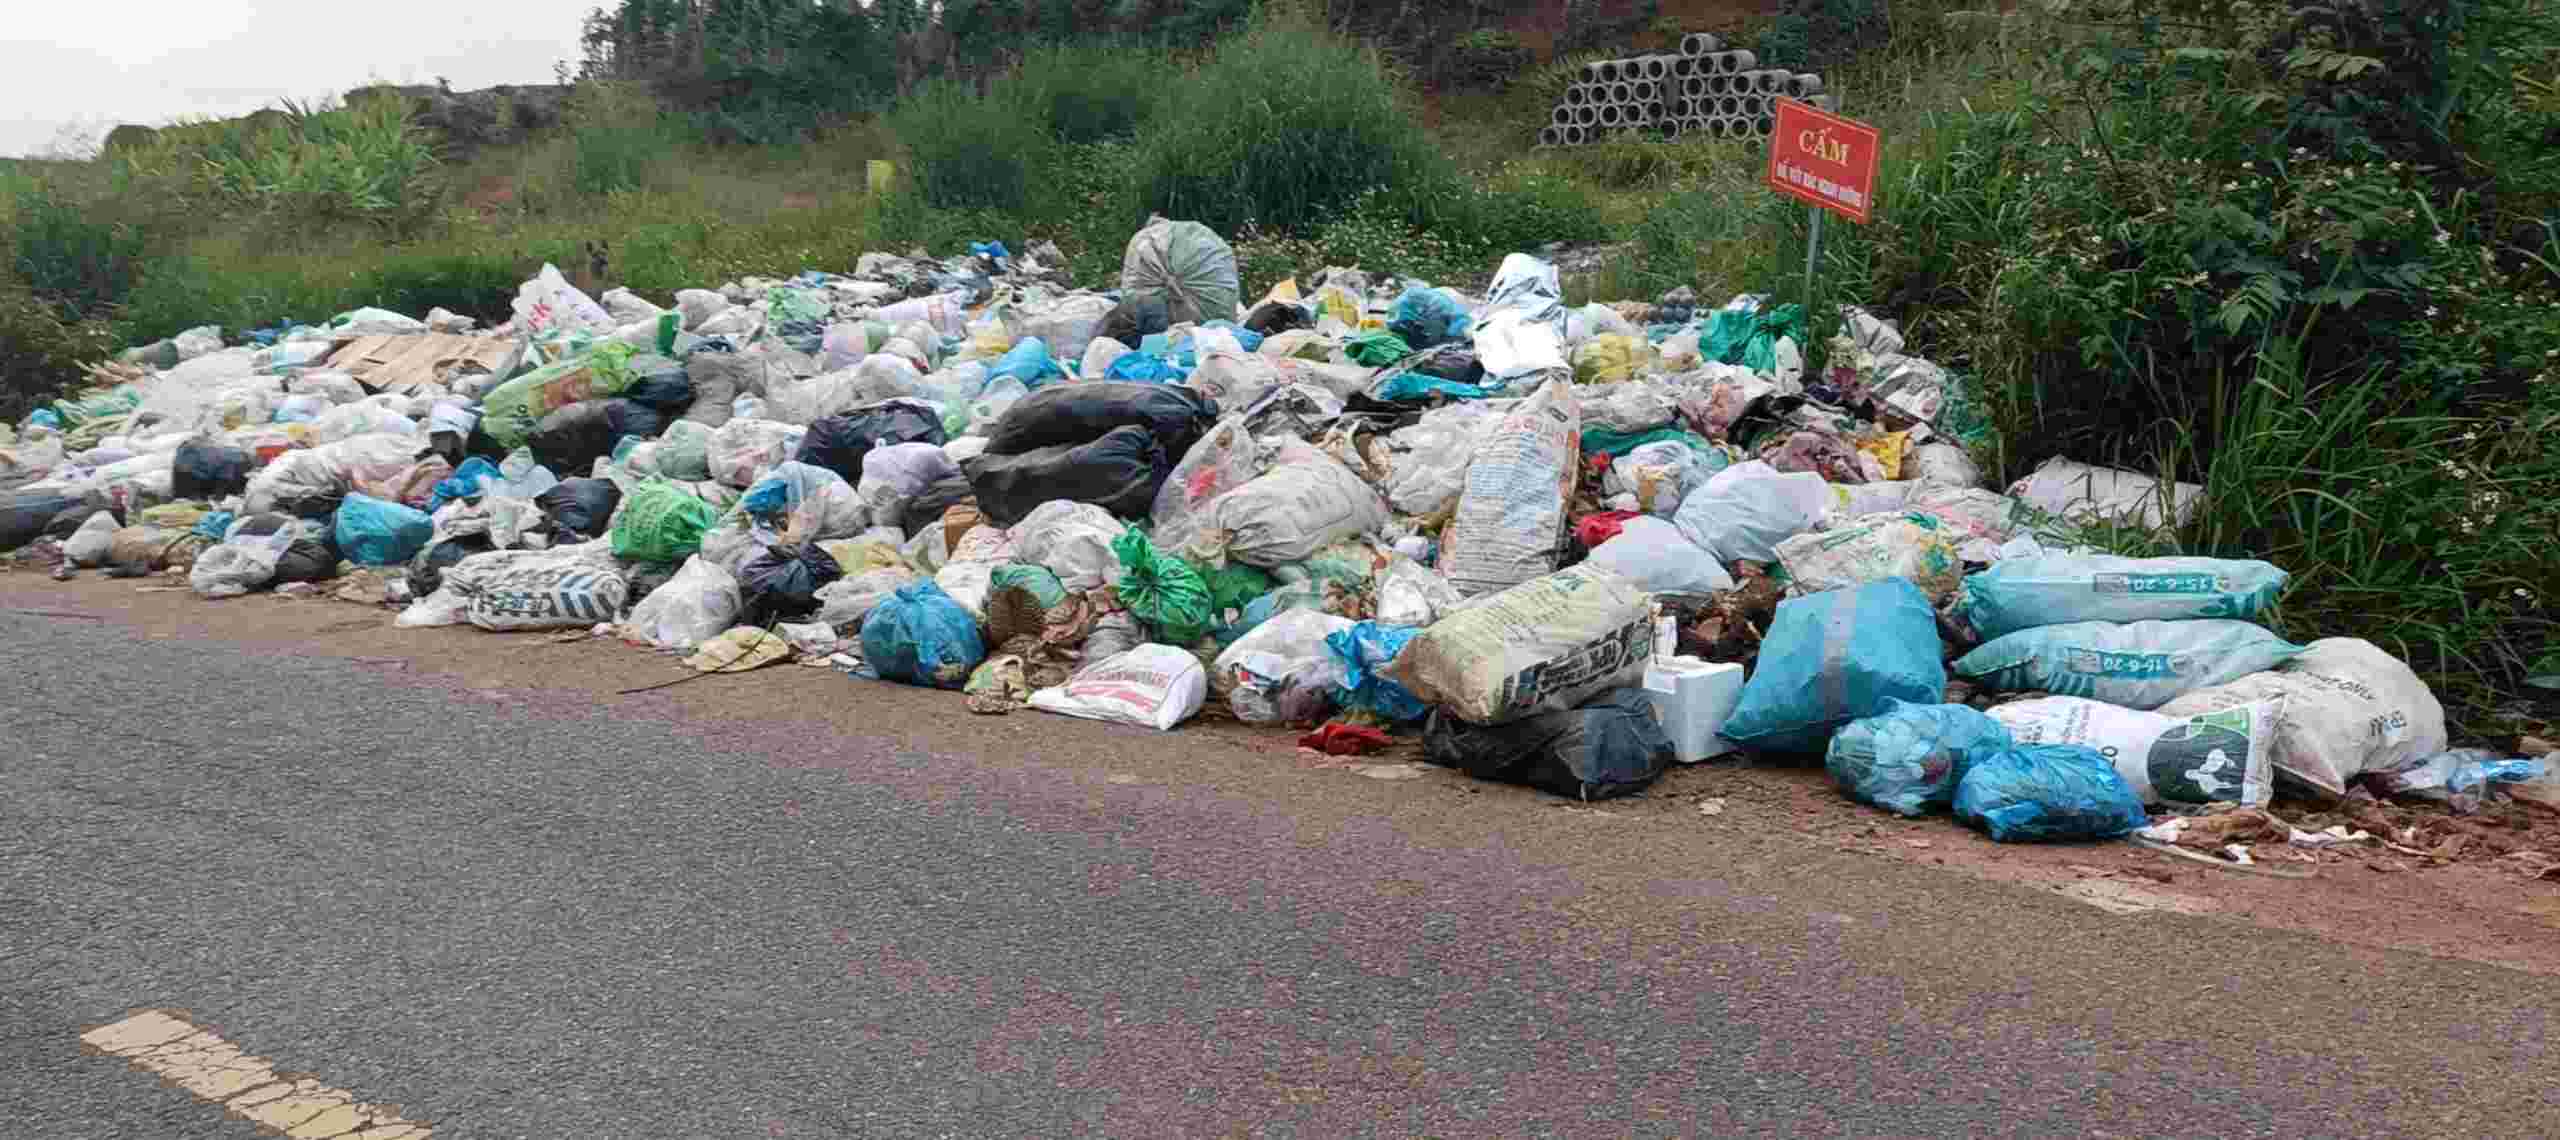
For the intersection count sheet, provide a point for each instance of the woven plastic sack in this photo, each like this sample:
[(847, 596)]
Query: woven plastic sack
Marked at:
[(2058, 589), (1910, 545), (1304, 503), (922, 637), (1184, 265), (660, 522), (1545, 645), (2224, 755), (1163, 592), (2048, 793), (2139, 665), (1511, 515), (1746, 510), (567, 589), (1151, 686), (2349, 707), (1910, 757), (1836, 657)]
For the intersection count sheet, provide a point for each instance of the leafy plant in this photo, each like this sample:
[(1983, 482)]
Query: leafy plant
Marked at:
[(973, 149)]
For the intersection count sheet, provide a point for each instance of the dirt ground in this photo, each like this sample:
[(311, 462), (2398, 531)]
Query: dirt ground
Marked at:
[(2459, 887)]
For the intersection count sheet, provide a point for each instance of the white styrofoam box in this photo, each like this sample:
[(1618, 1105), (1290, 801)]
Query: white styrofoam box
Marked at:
[(1693, 697)]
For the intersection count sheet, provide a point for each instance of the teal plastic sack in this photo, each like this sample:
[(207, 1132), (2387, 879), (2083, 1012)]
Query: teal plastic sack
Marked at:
[(1750, 339), (922, 637), (2048, 793), (1425, 317), (1911, 757), (1363, 650), (2139, 665), (2058, 589), (1835, 657), (371, 532), (1028, 361)]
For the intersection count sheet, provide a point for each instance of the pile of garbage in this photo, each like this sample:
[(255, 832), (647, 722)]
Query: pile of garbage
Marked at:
[(1567, 547)]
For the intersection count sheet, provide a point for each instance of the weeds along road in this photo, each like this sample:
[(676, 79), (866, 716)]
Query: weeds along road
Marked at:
[(466, 878)]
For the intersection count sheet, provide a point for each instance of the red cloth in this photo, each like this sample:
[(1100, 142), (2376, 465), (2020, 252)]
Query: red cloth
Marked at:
[(1596, 529), (1338, 739)]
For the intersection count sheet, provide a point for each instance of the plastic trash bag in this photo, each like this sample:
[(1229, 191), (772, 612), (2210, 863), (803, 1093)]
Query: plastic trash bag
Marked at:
[(839, 442), (1425, 317), (1610, 745), (2139, 665), (1064, 414), (2224, 755), (1161, 591), (2058, 589), (969, 577), (1184, 266), (1428, 469), (372, 532), (1659, 559), (691, 608), (239, 565), (1836, 657), (743, 448), (1364, 651), (782, 584), (1531, 288), (1120, 472), (572, 438), (93, 541), (579, 508), (1746, 510), (2048, 793), (549, 303), (202, 469), (848, 600), (1226, 458), (1410, 593), (1071, 540), (2462, 779), (921, 637), (1910, 757), (1510, 518), (2080, 493), (1281, 671), (807, 502), (661, 522), (1304, 503), (1151, 686), (1910, 546)]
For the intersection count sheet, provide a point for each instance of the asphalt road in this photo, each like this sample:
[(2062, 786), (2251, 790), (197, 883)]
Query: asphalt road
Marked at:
[(551, 912)]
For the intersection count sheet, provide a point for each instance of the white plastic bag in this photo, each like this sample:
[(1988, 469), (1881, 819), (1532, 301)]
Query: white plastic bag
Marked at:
[(969, 576), (846, 601), (693, 607), (1510, 517), (2078, 492), (1071, 540), (897, 473), (1153, 686), (94, 541), (1656, 556), (1942, 465), (2349, 708), (548, 303), (238, 565), (1410, 593), (1746, 510), (1428, 464), (1304, 503), (2223, 755), (741, 450), (1281, 671)]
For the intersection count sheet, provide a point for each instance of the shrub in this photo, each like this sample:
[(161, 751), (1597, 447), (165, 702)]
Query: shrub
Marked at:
[(1094, 91), (41, 352), (1485, 57), (300, 165), (618, 136), (1283, 125), (969, 148), (72, 254)]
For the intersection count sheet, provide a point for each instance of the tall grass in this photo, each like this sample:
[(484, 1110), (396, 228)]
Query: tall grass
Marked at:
[(1093, 91), (973, 149)]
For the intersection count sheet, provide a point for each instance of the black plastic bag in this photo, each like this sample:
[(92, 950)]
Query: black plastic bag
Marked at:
[(783, 585), (1455, 362), (662, 385), (1610, 745), (1118, 472), (578, 509), (839, 442), (572, 438), (203, 470), (427, 571), (307, 560), (1272, 318), (261, 525), (1136, 318), (644, 578), (67, 522), (26, 517), (926, 508), (1065, 414)]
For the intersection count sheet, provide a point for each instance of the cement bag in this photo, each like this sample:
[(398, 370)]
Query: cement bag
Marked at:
[(693, 607), (2048, 793), (1510, 516), (922, 637), (742, 449), (2226, 755), (2080, 493), (1660, 560), (1151, 686), (1428, 469), (1613, 745), (560, 590), (1746, 510), (970, 575), (1185, 266), (1281, 671), (2140, 665), (1836, 657), (1980, 521), (2058, 589), (1910, 757), (239, 565), (1119, 472), (1304, 504), (1874, 548), (1070, 540), (2348, 708), (1542, 646)]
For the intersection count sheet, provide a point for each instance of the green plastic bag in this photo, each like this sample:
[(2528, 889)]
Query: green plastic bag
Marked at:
[(661, 522), (1376, 349), (1037, 581), (1163, 592), (1232, 585), (1750, 339), (684, 452)]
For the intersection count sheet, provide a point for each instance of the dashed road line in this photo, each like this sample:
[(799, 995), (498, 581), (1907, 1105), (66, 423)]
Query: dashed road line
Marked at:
[(245, 1086)]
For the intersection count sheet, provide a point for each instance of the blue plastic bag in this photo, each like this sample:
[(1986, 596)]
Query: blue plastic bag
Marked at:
[(1835, 657), (2058, 589), (1363, 649), (1426, 317), (1028, 361), (2140, 665), (214, 525), (372, 532), (1144, 367), (1246, 338), (922, 637), (2048, 792), (1911, 757), (464, 483)]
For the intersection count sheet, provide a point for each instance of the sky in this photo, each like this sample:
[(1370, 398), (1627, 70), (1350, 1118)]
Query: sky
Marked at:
[(84, 67)]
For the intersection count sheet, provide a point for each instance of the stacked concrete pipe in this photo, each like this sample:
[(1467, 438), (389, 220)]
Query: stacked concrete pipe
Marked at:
[(1702, 91)]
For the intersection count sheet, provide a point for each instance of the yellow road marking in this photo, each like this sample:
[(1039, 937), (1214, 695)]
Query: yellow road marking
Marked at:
[(248, 1087)]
